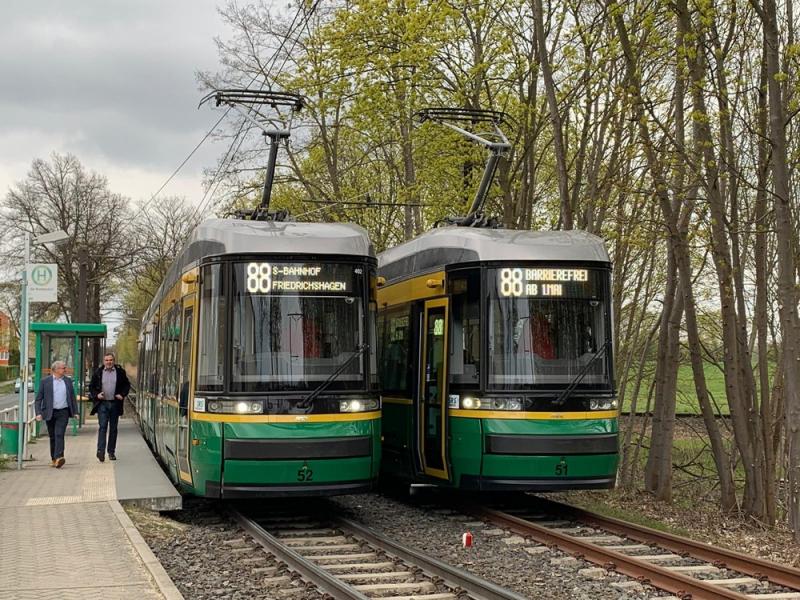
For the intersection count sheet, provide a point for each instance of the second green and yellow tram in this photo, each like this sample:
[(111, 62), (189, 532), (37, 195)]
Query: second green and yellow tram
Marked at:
[(496, 360)]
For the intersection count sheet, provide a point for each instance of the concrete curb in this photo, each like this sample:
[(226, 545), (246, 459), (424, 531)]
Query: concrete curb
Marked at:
[(157, 572)]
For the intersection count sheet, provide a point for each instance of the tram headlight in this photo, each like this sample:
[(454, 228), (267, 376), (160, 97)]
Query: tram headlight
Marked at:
[(603, 404), (358, 405), (472, 403), (239, 407)]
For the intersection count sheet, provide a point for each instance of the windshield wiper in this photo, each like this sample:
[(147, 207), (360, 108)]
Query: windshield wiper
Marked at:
[(579, 377), (306, 402)]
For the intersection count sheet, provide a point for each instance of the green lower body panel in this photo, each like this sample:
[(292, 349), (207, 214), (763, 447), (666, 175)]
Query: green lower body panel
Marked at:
[(398, 435), (303, 459), (206, 458), (512, 454)]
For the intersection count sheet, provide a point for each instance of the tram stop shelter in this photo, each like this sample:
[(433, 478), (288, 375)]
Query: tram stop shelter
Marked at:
[(78, 345)]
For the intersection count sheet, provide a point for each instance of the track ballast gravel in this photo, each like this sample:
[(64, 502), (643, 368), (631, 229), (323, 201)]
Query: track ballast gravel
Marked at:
[(209, 557)]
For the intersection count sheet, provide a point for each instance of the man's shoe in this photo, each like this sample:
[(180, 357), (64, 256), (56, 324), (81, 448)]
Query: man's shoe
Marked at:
[(53, 462), (60, 462), (112, 456), (101, 456)]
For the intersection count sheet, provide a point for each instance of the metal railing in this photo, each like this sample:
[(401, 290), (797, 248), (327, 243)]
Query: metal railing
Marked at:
[(11, 415)]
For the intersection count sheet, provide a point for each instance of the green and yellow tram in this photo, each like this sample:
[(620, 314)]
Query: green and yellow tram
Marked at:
[(496, 360), (257, 361)]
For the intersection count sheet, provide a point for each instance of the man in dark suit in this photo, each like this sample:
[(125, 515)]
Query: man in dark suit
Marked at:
[(108, 388), (55, 404)]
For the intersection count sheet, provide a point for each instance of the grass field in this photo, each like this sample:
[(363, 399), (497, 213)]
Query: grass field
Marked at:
[(687, 398)]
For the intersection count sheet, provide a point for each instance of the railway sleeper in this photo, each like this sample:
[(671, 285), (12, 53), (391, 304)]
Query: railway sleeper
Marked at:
[(735, 581), (324, 558), (625, 548), (384, 576), (318, 547), (436, 596), (374, 566), (382, 588), (695, 569), (300, 532), (314, 540)]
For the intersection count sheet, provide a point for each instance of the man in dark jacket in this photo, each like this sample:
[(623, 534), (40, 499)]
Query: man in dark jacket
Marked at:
[(108, 389), (55, 404)]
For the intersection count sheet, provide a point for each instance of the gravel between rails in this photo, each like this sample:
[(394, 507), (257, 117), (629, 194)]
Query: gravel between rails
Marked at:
[(210, 558), (497, 555)]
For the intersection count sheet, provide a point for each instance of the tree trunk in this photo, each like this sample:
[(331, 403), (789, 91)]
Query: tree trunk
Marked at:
[(559, 148), (787, 269)]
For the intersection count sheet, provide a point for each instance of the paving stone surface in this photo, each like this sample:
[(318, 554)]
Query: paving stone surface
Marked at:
[(59, 536)]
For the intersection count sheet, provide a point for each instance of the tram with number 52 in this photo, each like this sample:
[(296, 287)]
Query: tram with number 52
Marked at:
[(257, 368), (257, 363)]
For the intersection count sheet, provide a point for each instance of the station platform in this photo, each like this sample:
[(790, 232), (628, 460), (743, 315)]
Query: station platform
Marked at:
[(64, 533)]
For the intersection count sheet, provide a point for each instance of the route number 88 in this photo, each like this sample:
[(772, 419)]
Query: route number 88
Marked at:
[(259, 278), (511, 282)]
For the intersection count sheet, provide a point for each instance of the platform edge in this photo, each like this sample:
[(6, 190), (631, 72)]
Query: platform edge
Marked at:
[(153, 565)]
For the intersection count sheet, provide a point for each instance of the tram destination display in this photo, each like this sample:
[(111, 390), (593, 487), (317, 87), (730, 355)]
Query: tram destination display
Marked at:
[(267, 277), (546, 282)]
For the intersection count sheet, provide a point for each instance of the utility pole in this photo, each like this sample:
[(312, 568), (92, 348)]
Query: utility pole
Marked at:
[(23, 354)]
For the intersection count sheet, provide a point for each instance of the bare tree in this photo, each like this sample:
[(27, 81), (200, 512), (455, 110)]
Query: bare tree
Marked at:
[(61, 194)]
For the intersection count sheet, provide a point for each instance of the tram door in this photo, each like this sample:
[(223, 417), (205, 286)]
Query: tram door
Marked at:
[(187, 330), (433, 389)]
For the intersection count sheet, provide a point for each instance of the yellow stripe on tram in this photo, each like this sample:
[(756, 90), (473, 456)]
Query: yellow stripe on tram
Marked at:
[(534, 416), (329, 418)]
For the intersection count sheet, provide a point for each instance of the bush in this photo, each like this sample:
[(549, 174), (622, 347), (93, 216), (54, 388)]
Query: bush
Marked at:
[(8, 372)]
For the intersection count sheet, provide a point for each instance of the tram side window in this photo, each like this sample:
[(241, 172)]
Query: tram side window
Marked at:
[(152, 370), (466, 326), (186, 348), (395, 363), (142, 374), (211, 330), (373, 338), (172, 356), (163, 350)]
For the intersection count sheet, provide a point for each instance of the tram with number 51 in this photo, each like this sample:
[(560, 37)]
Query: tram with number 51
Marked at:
[(496, 357)]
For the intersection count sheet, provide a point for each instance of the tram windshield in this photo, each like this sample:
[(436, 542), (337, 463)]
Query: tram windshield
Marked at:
[(295, 324), (545, 327)]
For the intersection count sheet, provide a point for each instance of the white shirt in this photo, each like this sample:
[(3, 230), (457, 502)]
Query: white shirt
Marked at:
[(59, 393)]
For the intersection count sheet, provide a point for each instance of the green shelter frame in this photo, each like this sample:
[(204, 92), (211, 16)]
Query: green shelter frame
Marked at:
[(69, 342)]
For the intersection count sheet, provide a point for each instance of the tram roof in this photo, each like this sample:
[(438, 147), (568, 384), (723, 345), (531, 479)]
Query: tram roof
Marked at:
[(452, 245), (234, 236)]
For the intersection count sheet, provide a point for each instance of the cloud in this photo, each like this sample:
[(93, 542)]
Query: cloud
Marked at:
[(112, 82)]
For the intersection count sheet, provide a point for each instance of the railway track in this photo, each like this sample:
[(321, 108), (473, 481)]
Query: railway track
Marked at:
[(348, 561), (683, 567)]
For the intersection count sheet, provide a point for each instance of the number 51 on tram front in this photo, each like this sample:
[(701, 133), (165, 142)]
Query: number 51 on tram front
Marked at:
[(496, 361)]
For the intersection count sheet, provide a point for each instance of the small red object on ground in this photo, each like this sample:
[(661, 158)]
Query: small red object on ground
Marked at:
[(466, 540)]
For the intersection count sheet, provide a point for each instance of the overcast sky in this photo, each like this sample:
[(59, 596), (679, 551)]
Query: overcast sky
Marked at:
[(112, 82)]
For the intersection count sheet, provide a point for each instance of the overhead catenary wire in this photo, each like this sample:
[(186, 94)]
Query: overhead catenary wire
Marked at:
[(267, 75), (143, 207)]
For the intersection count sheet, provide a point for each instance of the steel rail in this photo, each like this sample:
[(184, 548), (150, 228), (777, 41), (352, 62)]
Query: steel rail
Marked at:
[(476, 587), (660, 577), (317, 575), (735, 561)]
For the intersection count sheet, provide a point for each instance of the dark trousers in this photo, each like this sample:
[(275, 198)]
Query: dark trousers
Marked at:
[(108, 418), (56, 428)]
